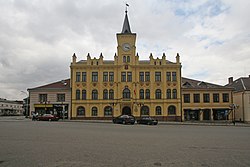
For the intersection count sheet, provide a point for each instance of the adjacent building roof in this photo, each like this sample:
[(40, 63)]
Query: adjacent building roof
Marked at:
[(63, 84), (11, 101), (196, 84), (241, 84)]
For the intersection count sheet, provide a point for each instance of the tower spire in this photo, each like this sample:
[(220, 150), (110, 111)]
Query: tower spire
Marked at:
[(126, 27)]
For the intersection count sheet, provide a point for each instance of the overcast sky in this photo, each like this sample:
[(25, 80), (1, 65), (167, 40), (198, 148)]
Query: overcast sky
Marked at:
[(38, 38)]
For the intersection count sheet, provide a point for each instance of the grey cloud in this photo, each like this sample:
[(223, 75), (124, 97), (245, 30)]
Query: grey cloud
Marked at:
[(38, 38)]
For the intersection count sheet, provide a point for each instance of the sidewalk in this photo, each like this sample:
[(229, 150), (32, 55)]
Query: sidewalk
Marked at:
[(197, 123)]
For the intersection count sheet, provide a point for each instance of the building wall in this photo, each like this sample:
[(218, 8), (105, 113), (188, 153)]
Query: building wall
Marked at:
[(247, 106), (238, 100), (242, 100), (210, 106), (9, 107), (51, 98), (118, 66)]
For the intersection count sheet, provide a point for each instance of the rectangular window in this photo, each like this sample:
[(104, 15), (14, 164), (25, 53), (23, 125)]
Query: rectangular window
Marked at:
[(196, 98), (78, 76), (216, 98), (60, 97), (206, 98), (173, 76), (168, 76), (186, 98), (147, 76), (111, 76), (105, 76), (94, 76), (141, 76), (42, 97), (225, 97), (123, 76), (84, 76), (157, 76), (129, 76)]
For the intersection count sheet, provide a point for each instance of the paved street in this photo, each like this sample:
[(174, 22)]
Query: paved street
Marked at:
[(31, 143)]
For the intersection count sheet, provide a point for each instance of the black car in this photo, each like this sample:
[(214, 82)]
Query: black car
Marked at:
[(124, 119), (147, 121)]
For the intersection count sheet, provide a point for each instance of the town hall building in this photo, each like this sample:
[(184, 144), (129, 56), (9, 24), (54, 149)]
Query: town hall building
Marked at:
[(103, 89)]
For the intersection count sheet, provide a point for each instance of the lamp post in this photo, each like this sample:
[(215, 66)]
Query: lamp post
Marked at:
[(63, 110), (140, 105), (26, 112), (233, 108), (112, 107)]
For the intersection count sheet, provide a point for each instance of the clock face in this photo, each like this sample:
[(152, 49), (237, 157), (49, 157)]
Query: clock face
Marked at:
[(126, 47)]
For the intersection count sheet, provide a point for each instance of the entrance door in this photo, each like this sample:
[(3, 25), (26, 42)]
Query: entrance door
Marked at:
[(206, 114), (126, 111)]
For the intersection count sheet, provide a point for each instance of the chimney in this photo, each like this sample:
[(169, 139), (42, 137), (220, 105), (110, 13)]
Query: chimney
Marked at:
[(230, 80)]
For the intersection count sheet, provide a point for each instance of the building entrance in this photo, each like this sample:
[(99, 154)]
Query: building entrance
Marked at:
[(126, 110)]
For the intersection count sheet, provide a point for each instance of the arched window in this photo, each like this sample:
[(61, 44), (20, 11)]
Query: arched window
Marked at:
[(94, 111), (111, 94), (80, 111), (168, 93), (158, 94), (174, 94), (158, 110), (128, 59), (84, 95), (124, 59), (171, 110), (77, 94), (126, 93), (141, 94), (108, 111), (147, 94), (144, 110), (105, 94), (94, 94)]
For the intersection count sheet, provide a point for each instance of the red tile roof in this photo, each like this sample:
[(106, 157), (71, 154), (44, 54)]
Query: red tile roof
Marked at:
[(63, 84)]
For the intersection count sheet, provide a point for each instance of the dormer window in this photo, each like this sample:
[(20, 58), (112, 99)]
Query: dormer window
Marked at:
[(186, 84), (203, 84)]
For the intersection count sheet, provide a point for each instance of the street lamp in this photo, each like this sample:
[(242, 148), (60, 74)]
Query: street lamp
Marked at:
[(63, 110), (233, 108), (140, 105), (112, 104), (26, 112)]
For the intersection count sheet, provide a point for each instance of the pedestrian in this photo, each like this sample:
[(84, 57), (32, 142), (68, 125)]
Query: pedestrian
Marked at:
[(33, 116)]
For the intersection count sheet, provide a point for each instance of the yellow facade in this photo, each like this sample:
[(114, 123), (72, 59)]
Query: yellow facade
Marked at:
[(102, 89), (205, 101)]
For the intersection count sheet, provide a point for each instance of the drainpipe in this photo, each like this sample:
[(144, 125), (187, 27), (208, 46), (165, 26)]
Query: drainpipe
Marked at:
[(243, 107), (181, 93)]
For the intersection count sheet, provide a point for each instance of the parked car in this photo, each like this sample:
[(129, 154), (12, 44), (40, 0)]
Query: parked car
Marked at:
[(124, 119), (47, 117), (147, 121)]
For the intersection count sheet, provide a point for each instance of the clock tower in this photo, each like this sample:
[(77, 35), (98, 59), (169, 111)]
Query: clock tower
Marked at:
[(126, 48)]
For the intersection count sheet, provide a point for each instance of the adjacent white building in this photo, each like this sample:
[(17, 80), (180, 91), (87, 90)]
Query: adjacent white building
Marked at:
[(11, 107)]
